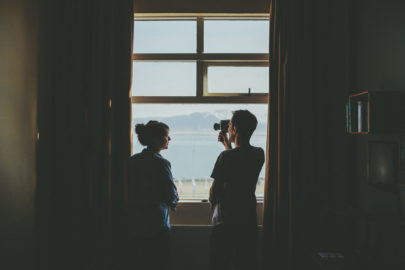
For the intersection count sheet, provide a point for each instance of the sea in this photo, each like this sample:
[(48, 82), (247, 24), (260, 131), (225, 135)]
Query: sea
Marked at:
[(193, 156)]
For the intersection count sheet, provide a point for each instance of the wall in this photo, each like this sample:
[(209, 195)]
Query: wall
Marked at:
[(380, 45), (18, 89), (380, 65), (200, 213)]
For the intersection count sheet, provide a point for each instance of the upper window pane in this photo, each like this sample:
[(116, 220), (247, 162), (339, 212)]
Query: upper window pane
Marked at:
[(165, 36), (233, 36), (238, 79), (158, 78)]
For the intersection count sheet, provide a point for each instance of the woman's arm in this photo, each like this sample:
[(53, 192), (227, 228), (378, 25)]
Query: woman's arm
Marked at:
[(169, 190)]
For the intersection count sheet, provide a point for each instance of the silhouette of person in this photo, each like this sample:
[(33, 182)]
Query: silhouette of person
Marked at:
[(233, 241), (151, 192)]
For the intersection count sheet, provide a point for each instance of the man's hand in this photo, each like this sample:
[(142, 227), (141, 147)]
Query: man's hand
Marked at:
[(223, 138)]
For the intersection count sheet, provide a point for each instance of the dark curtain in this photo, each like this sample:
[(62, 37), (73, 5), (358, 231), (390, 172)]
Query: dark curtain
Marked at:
[(278, 204), (311, 188), (84, 129)]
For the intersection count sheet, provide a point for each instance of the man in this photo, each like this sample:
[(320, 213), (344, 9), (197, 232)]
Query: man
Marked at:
[(232, 196)]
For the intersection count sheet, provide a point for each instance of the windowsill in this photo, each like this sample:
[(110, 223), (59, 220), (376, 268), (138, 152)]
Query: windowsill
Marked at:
[(193, 212), (198, 227), (203, 200)]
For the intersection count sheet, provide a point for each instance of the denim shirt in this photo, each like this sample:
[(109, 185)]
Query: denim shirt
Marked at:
[(151, 192)]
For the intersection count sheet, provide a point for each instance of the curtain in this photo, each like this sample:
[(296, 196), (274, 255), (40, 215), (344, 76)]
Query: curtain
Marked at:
[(277, 205), (84, 132), (310, 172)]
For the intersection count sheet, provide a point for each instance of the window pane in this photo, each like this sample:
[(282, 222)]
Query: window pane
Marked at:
[(194, 148), (165, 36), (163, 78), (233, 79), (241, 36)]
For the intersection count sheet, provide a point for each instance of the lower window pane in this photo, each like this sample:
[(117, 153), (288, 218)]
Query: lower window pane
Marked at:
[(194, 148)]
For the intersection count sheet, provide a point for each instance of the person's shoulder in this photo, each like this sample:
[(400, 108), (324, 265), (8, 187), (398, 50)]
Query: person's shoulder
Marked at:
[(259, 152), (226, 153), (135, 157), (136, 160), (258, 149), (162, 161)]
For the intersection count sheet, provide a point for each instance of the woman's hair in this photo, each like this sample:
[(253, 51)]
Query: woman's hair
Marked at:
[(152, 129)]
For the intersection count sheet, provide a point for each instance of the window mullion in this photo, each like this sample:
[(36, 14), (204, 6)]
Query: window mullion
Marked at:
[(200, 79), (200, 51), (200, 35), (221, 99), (212, 57)]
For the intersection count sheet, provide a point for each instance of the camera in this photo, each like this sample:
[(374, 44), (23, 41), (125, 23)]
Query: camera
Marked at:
[(222, 125)]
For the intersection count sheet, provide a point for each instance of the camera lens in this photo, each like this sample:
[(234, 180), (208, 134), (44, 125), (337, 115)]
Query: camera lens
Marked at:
[(217, 126)]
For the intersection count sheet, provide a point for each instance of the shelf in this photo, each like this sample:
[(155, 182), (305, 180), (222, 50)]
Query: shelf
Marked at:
[(376, 112)]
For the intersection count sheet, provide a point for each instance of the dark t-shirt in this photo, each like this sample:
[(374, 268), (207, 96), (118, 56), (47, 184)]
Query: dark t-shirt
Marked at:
[(236, 172)]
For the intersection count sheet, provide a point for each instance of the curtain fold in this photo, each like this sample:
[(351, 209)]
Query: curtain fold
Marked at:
[(84, 126), (278, 203)]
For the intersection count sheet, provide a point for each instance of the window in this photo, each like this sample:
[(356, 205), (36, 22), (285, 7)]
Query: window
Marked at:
[(190, 72)]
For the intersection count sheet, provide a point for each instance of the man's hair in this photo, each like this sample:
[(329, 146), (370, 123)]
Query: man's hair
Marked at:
[(245, 122)]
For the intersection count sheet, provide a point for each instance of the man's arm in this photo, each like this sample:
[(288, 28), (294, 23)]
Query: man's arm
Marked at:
[(216, 192), (218, 185)]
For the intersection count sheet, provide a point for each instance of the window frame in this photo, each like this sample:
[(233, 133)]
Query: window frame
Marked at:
[(203, 61)]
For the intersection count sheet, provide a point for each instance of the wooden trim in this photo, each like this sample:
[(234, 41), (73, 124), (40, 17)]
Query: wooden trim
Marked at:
[(253, 99), (200, 79), (180, 16), (236, 64), (200, 51), (236, 57), (200, 35), (364, 132), (359, 94)]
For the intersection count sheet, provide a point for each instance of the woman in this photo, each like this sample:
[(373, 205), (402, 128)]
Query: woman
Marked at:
[(151, 192)]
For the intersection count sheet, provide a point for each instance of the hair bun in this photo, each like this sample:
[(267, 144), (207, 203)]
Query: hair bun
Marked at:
[(147, 133), (140, 128)]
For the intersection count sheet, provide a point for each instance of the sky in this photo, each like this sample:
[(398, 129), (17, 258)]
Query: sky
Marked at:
[(220, 36)]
